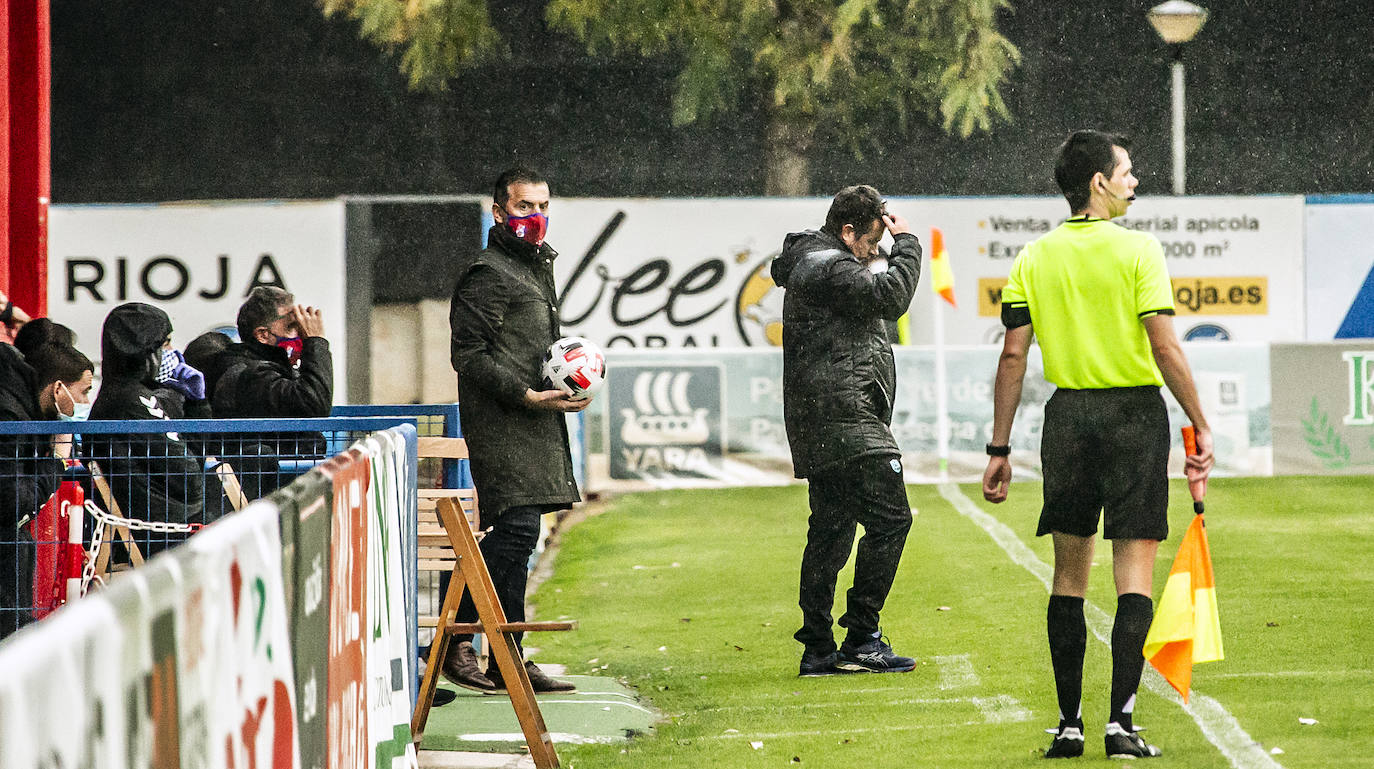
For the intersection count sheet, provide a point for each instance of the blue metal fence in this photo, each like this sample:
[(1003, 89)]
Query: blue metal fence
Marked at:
[(164, 476)]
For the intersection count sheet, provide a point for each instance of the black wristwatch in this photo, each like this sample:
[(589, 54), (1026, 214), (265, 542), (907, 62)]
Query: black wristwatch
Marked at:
[(999, 451)]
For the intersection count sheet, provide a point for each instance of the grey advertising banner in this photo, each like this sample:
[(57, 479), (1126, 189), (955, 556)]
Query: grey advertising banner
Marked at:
[(682, 418), (1323, 410)]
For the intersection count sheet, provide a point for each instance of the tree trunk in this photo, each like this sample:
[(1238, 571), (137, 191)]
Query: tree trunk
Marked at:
[(788, 142)]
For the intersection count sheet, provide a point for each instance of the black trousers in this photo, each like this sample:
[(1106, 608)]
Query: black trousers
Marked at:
[(507, 548), (867, 491)]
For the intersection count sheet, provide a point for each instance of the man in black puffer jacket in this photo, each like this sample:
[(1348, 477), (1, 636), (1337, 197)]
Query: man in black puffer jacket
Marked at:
[(281, 369), (839, 381)]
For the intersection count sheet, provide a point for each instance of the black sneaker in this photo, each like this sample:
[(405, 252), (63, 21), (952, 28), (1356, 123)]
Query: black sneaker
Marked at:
[(461, 669), (1068, 742), (873, 656), (1123, 744), (817, 664)]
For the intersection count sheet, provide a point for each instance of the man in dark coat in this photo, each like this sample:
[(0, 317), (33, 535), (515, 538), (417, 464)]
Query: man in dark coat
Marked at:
[(154, 476), (503, 317), (282, 368), (839, 382), (54, 383)]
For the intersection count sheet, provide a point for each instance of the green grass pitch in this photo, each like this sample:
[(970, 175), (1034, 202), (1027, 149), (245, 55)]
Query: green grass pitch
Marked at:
[(690, 597)]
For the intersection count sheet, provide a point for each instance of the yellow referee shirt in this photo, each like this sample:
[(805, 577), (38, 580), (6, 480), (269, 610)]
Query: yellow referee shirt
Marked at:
[(1084, 286)]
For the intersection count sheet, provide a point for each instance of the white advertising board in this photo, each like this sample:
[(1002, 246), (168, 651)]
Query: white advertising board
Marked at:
[(694, 272), (196, 261), (1340, 269)]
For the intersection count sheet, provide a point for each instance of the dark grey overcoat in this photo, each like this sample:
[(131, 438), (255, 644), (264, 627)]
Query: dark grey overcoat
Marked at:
[(503, 316)]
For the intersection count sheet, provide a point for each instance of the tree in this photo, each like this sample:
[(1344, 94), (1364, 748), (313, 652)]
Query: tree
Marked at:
[(825, 68)]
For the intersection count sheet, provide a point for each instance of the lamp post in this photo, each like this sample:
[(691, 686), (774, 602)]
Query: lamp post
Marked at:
[(1177, 22)]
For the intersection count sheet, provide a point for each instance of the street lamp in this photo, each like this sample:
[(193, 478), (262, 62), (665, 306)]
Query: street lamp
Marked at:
[(1177, 22)]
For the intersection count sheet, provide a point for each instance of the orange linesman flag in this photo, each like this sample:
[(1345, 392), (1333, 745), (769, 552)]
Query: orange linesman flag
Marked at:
[(941, 276), (1187, 628)]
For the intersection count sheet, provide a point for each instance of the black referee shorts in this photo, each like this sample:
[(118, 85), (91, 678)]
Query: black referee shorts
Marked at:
[(1106, 450)]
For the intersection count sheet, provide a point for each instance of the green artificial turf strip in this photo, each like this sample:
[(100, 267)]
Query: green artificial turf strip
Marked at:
[(690, 597)]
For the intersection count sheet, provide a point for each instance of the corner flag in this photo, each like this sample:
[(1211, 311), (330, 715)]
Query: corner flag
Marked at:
[(941, 276), (1187, 628)]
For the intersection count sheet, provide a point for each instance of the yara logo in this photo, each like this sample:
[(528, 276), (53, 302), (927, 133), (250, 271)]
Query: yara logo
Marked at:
[(662, 414), (1361, 387)]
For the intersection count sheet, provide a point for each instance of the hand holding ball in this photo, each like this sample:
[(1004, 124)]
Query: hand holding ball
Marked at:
[(575, 365)]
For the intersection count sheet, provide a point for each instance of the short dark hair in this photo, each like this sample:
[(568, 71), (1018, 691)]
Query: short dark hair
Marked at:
[(57, 361), (260, 309), (860, 206), (1081, 156), (41, 331), (500, 192), (201, 351)]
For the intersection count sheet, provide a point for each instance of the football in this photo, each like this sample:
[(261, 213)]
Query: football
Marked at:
[(575, 365)]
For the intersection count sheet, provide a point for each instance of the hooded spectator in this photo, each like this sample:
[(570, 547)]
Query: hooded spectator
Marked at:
[(154, 476)]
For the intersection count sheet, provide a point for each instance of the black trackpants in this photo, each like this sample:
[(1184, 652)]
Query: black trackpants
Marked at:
[(867, 491)]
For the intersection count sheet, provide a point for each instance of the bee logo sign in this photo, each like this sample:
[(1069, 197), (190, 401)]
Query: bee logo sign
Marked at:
[(664, 421)]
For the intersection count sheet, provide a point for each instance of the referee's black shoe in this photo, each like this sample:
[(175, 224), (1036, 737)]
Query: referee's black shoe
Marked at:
[(1123, 744), (1068, 742), (873, 656)]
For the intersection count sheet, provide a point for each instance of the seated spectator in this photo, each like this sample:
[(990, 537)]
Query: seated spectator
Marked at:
[(206, 353), (41, 331), (53, 383), (281, 369), (154, 476)]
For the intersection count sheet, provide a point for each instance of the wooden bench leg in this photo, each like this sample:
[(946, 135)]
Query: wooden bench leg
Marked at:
[(438, 649), (471, 573)]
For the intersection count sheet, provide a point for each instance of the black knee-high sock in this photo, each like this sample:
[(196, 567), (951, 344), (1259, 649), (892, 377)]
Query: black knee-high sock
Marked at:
[(1133, 615), (1068, 638)]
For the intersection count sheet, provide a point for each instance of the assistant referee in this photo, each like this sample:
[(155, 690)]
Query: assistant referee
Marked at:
[(1098, 298)]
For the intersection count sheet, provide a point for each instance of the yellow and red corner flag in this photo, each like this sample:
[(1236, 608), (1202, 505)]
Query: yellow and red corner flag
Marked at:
[(1187, 628), (941, 276)]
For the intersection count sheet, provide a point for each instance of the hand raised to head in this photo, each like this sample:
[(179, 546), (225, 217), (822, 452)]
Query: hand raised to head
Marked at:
[(309, 320), (896, 224)]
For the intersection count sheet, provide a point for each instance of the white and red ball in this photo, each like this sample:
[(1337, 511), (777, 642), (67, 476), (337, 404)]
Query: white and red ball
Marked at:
[(575, 365)]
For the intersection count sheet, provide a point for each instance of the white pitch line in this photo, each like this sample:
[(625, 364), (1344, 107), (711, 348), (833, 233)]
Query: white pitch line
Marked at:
[(559, 737), (1216, 723), (1002, 709), (832, 732), (1294, 674), (995, 708), (543, 703), (956, 672)]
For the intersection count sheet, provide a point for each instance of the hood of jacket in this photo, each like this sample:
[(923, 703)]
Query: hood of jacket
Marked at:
[(795, 246), (132, 334)]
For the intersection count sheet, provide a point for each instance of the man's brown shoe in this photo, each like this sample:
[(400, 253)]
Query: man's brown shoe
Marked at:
[(461, 669), (539, 680)]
